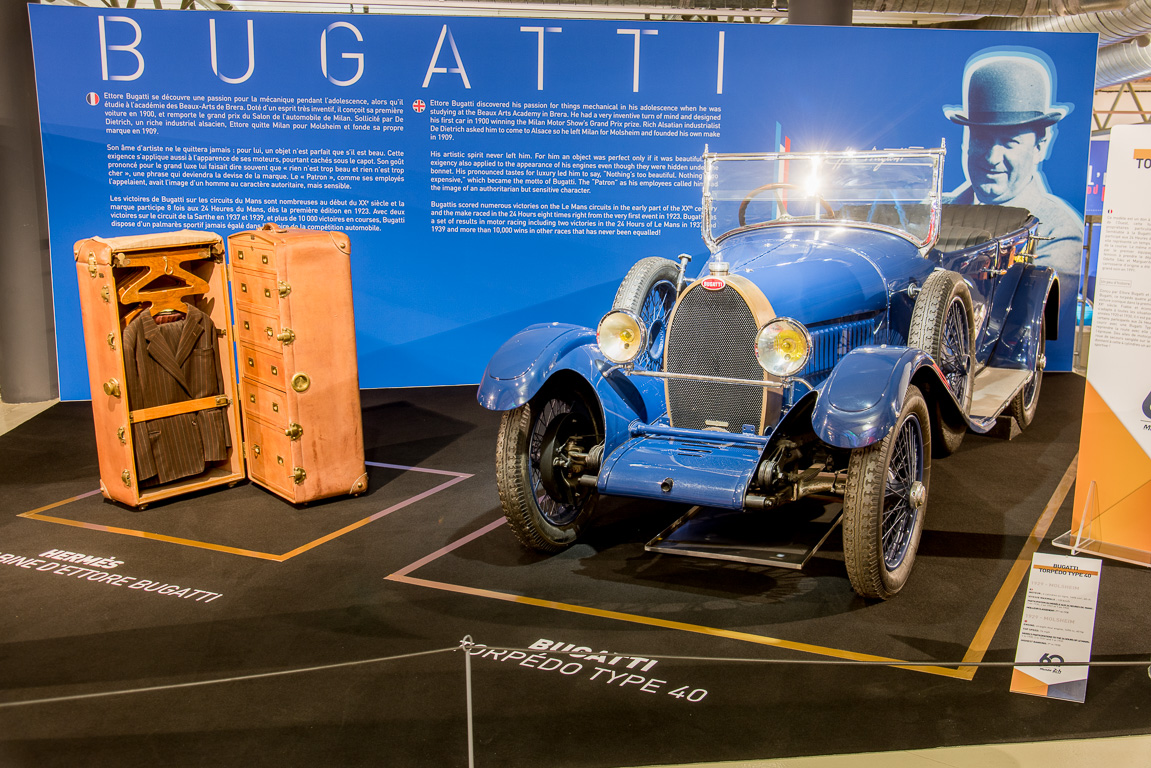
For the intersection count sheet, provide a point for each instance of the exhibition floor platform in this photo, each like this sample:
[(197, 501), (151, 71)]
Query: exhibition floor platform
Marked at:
[(236, 629)]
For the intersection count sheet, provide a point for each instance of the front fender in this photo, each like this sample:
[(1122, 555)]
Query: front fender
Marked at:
[(860, 402), (521, 365), (542, 353), (1019, 342)]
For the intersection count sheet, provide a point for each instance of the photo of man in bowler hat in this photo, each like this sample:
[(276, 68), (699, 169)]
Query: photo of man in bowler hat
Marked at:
[(1008, 119)]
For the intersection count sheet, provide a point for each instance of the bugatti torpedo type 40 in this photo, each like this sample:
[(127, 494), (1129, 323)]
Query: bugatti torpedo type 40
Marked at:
[(848, 327)]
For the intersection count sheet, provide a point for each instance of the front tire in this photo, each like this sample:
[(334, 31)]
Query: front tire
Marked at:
[(941, 325), (885, 502), (541, 499), (649, 291)]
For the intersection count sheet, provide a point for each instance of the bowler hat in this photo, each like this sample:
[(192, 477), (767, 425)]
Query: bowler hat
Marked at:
[(1006, 90)]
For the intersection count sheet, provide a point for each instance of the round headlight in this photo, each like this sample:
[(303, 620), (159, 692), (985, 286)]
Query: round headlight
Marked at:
[(621, 336), (783, 347)]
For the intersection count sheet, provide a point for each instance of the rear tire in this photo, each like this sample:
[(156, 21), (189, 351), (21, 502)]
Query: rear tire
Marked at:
[(1026, 401), (649, 292), (885, 502), (941, 325)]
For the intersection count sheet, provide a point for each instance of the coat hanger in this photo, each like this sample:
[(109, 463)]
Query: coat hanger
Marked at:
[(169, 264)]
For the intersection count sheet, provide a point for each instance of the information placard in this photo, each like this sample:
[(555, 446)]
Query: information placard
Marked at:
[(1112, 515), (1058, 624)]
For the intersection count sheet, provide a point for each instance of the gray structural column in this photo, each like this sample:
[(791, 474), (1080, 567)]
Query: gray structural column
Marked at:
[(27, 329), (832, 13)]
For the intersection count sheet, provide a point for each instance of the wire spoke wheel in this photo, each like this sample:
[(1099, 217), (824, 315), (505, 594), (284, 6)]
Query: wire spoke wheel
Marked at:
[(545, 446), (955, 352), (942, 326), (649, 291), (540, 456), (1024, 404), (885, 502), (899, 510), (656, 310)]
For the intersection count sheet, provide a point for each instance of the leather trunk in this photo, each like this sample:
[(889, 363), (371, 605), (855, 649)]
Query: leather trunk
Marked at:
[(296, 342), (289, 397), (107, 270)]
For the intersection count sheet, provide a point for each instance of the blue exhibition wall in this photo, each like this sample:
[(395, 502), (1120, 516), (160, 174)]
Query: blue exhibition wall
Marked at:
[(491, 172)]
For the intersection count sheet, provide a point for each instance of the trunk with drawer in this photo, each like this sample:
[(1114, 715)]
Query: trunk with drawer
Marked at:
[(296, 349), (289, 396)]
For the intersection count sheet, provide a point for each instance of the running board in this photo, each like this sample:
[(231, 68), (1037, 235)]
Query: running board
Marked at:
[(784, 539), (994, 389)]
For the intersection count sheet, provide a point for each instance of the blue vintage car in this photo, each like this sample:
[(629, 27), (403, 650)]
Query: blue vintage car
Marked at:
[(848, 327)]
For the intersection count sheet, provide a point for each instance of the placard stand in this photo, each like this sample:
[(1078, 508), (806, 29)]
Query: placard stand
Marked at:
[(1089, 537)]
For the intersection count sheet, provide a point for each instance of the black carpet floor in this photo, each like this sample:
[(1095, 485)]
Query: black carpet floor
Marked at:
[(246, 631)]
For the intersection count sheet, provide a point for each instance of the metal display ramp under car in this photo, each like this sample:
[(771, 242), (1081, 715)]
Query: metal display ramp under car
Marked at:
[(784, 538), (788, 537)]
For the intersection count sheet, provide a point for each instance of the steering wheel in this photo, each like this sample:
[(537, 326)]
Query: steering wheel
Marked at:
[(778, 185)]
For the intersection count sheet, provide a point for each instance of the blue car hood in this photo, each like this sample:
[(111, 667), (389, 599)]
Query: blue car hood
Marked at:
[(816, 274)]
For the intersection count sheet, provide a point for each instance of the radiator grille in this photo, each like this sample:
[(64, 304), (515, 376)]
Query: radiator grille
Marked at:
[(713, 334), (831, 342)]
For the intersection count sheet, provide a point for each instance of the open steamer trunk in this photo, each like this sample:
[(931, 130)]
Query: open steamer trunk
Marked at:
[(109, 273), (291, 410)]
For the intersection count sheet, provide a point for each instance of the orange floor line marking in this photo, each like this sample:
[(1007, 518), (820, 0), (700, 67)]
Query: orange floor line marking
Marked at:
[(667, 624), (156, 537), (994, 617), (975, 651), (454, 545), (35, 514), (377, 516)]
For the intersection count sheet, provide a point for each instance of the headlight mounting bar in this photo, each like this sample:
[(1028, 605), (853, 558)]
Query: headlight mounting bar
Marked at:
[(778, 385)]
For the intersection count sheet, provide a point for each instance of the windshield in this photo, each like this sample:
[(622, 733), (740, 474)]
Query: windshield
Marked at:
[(898, 190)]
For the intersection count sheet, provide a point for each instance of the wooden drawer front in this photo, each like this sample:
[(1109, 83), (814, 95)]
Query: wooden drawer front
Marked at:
[(255, 288), (269, 456), (257, 329), (263, 366), (260, 257), (264, 403)]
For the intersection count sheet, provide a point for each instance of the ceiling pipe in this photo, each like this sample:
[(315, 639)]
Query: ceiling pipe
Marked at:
[(827, 12), (1123, 62), (1015, 8), (1111, 26)]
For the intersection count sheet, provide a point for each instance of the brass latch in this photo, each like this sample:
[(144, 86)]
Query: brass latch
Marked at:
[(106, 294), (112, 388), (287, 335), (120, 434), (285, 289), (299, 475), (91, 264), (126, 476), (294, 431), (222, 400), (112, 341)]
